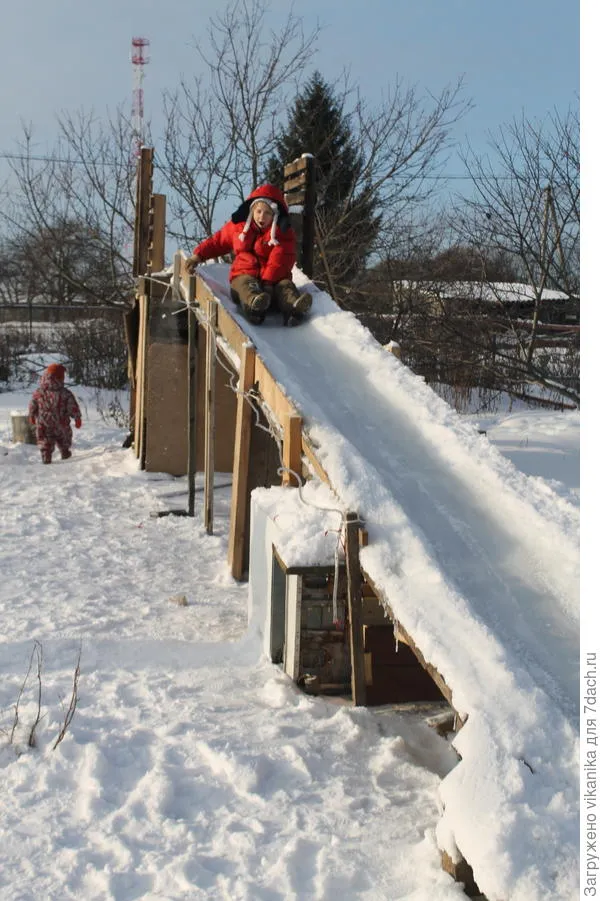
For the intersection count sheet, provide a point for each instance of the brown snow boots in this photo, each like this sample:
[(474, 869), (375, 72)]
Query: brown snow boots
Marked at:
[(292, 304), (248, 293)]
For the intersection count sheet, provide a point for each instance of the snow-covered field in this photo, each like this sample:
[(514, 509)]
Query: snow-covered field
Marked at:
[(193, 768)]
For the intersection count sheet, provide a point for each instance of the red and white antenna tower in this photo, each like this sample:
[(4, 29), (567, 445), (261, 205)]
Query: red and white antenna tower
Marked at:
[(138, 60)]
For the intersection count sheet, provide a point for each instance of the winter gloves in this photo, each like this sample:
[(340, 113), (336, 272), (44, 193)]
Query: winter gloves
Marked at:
[(191, 263)]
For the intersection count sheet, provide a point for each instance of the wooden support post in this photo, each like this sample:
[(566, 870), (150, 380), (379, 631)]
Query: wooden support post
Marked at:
[(308, 230), (131, 323), (292, 450), (192, 399), (141, 374), (354, 580), (300, 189), (158, 215), (461, 871), (141, 236), (209, 414), (241, 465)]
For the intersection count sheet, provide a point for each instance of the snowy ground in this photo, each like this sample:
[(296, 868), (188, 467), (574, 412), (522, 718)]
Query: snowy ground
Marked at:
[(193, 769)]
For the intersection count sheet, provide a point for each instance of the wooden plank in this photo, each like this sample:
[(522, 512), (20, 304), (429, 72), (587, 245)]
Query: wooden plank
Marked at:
[(138, 377), (192, 407), (461, 871), (131, 327), (241, 465), (272, 393), (158, 221), (141, 383), (311, 455), (204, 295), (439, 680), (308, 225), (297, 165), (354, 580), (299, 569), (226, 326), (178, 270), (131, 323), (230, 331), (402, 635), (295, 181), (209, 416), (295, 198), (293, 622), (141, 235), (292, 451)]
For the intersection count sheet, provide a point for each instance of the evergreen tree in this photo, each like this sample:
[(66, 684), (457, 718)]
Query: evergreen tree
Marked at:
[(346, 219)]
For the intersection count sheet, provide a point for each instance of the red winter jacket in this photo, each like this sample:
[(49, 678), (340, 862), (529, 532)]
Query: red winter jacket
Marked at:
[(254, 255)]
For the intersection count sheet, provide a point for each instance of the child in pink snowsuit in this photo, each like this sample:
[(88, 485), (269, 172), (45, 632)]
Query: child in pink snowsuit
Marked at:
[(51, 409)]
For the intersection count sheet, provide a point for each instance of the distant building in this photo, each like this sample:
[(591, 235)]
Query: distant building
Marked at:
[(515, 299)]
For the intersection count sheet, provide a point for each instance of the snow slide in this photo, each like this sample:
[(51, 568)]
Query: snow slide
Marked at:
[(479, 564)]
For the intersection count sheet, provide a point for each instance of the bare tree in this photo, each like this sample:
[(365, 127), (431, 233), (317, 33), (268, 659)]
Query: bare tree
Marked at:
[(403, 144), (526, 204), (526, 199), (459, 317), (69, 217), (439, 287), (220, 130)]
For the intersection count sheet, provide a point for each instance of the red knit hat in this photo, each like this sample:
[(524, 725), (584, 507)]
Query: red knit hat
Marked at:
[(274, 198), (57, 370)]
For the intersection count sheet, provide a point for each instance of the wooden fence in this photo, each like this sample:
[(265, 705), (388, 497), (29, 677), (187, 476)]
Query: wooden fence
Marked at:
[(38, 314)]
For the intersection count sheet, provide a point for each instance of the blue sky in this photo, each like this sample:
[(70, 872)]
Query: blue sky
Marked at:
[(515, 56)]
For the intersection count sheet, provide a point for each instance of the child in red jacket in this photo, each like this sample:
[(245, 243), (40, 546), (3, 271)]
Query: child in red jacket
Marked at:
[(263, 243), (51, 409)]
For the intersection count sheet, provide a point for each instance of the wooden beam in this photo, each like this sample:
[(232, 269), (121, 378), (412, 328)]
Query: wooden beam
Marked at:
[(226, 326), (141, 383), (308, 224), (230, 331), (297, 165), (140, 365), (311, 455), (203, 295), (192, 408), (209, 416), (295, 198), (403, 635), (272, 393), (294, 182), (241, 464), (158, 217), (439, 680), (292, 450), (141, 235), (354, 580), (461, 871), (131, 324)]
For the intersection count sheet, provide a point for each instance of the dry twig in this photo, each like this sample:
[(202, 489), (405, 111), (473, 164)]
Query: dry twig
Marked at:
[(72, 704)]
